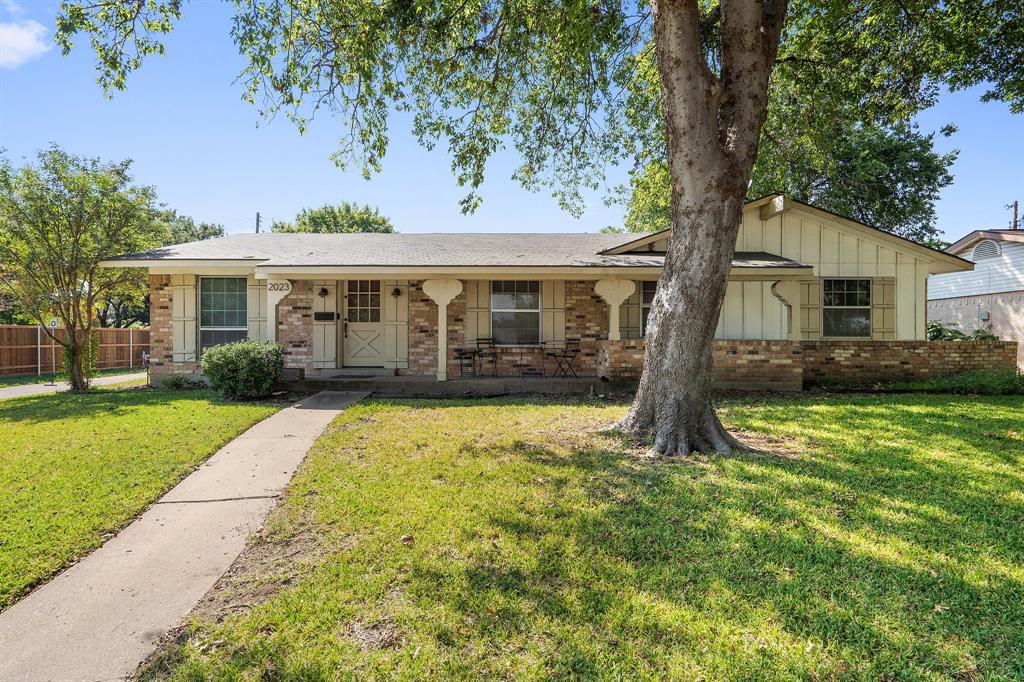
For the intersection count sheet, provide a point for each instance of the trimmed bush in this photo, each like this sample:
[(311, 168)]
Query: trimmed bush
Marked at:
[(180, 382), (982, 382), (244, 369)]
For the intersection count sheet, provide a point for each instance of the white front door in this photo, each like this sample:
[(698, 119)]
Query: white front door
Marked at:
[(325, 325), (363, 326)]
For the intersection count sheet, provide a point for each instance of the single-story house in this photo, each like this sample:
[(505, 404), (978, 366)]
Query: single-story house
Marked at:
[(991, 296), (808, 291)]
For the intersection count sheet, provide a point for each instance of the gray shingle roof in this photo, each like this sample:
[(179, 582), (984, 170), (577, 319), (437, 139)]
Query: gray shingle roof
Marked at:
[(427, 250)]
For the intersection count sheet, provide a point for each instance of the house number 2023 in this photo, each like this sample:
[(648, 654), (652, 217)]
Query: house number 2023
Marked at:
[(283, 287)]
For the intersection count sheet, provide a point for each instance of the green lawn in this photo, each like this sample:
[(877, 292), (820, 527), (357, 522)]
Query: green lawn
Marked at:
[(75, 468), (509, 539), (24, 379)]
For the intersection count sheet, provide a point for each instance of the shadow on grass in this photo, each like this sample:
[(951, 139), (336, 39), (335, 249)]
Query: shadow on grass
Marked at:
[(897, 563), (890, 548), (49, 407)]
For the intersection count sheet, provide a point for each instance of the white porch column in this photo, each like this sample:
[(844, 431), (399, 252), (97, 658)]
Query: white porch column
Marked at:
[(441, 292), (614, 292), (788, 291), (277, 289)]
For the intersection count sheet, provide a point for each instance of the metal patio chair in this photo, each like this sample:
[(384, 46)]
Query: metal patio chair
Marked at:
[(485, 349), (564, 357)]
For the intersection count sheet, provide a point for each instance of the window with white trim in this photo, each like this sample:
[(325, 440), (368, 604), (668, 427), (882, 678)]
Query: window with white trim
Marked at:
[(846, 308), (223, 314), (515, 312), (647, 290)]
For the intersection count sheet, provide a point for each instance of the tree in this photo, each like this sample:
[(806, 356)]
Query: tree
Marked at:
[(182, 229), (344, 217), (889, 179), (128, 303), (59, 218), (562, 82)]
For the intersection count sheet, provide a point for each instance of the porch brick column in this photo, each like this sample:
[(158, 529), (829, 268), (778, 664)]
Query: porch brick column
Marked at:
[(614, 292), (277, 289), (441, 292)]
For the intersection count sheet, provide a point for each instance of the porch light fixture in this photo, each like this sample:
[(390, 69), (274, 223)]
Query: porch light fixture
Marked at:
[(322, 293), (396, 292)]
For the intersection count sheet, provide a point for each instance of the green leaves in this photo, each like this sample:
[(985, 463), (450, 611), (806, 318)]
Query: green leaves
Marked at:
[(569, 85), (59, 218), (344, 217)]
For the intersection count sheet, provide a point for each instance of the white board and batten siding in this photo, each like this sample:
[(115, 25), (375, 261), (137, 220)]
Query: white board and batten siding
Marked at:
[(997, 274), (834, 250)]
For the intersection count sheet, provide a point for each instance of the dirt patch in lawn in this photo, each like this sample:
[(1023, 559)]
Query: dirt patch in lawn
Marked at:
[(271, 562)]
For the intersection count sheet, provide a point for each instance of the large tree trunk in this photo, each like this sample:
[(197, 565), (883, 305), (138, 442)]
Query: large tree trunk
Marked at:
[(712, 124)]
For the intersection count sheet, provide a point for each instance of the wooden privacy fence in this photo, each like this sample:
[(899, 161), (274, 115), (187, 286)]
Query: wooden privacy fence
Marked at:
[(26, 349)]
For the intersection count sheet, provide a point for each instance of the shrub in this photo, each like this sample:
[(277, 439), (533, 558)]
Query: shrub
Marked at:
[(981, 382), (180, 382), (244, 369), (948, 331)]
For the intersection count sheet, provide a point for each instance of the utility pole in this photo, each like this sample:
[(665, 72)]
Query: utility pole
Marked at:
[(257, 222), (1015, 225)]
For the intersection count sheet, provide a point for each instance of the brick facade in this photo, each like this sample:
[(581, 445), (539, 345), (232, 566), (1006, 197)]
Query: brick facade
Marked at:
[(738, 364), (586, 319), (787, 365), (1005, 315), (295, 326), (161, 330), (422, 333)]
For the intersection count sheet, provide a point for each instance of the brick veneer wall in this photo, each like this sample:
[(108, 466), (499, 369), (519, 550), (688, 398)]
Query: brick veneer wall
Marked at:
[(295, 326), (776, 365), (161, 330), (789, 364), (422, 333), (586, 318), (880, 360)]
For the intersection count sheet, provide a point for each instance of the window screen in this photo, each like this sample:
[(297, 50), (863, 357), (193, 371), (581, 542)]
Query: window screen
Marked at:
[(846, 308), (223, 314), (515, 312)]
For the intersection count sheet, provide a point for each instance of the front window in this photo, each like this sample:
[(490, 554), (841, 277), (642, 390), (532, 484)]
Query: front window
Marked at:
[(647, 290), (846, 308), (222, 310), (515, 312)]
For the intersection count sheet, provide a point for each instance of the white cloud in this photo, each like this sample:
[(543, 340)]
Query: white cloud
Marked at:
[(20, 42), (12, 7)]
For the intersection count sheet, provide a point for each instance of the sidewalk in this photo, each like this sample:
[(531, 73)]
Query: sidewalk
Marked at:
[(41, 389), (100, 618)]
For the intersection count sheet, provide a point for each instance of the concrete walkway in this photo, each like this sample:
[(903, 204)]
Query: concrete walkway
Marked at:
[(100, 618), (41, 389)]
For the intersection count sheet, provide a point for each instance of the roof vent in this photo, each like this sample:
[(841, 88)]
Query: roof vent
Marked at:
[(986, 248)]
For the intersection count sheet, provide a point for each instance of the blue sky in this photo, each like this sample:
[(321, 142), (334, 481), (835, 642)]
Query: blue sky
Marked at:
[(211, 156)]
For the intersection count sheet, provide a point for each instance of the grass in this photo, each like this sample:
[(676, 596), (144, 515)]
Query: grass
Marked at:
[(514, 540), (25, 379), (980, 382), (75, 468)]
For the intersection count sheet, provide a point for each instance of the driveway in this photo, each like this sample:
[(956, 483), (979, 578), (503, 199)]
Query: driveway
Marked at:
[(103, 616)]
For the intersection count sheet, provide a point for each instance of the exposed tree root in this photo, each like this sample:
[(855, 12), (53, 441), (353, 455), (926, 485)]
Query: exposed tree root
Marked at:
[(681, 431)]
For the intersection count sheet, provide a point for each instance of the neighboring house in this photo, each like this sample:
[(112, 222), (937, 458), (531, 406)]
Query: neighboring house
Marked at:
[(992, 295), (802, 279)]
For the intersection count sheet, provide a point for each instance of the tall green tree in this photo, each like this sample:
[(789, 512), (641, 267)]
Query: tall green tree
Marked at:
[(59, 217), (344, 217), (128, 303), (887, 178), (182, 228), (563, 83)]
